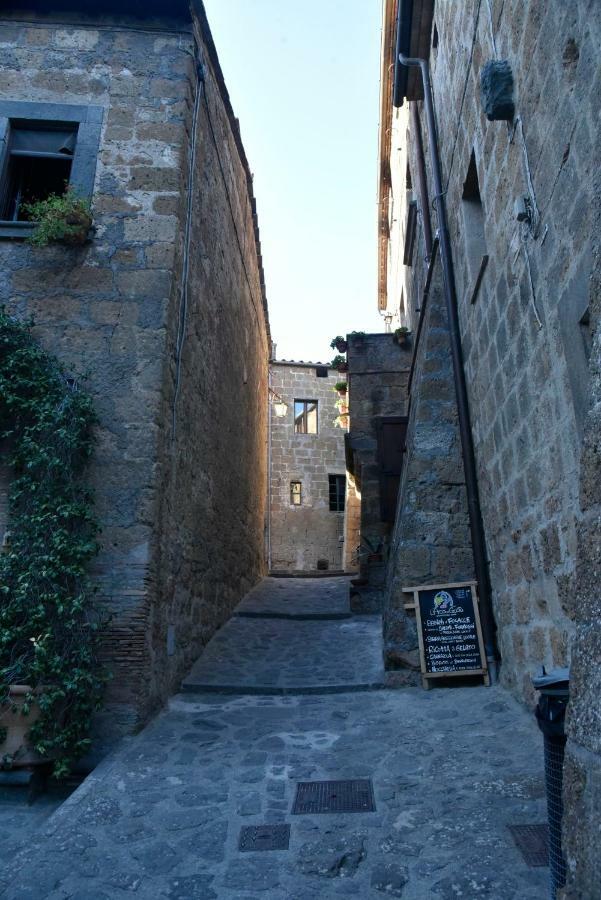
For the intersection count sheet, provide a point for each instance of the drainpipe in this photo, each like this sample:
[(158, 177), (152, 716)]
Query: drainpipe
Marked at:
[(465, 429), (422, 182)]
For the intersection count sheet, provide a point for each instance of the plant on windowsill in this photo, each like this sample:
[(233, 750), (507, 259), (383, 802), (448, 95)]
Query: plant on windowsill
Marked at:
[(342, 420), (51, 680), (342, 405), (339, 363), (341, 388), (60, 219), (339, 343), (402, 336)]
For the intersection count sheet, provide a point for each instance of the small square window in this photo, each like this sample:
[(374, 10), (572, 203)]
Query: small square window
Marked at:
[(44, 149), (305, 416), (296, 493), (337, 487), (37, 163)]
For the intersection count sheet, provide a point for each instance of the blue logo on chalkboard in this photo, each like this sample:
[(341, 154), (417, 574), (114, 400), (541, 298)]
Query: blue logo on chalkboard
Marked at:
[(444, 605)]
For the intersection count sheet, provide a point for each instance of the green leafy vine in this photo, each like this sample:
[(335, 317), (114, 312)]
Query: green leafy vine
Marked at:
[(50, 621)]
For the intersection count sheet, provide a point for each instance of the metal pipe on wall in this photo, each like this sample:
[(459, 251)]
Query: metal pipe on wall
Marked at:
[(422, 182), (465, 429)]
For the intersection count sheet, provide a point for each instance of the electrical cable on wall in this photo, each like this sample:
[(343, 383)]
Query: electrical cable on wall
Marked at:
[(183, 303)]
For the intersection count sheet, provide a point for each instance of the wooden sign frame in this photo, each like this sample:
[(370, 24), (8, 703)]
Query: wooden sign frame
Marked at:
[(415, 590)]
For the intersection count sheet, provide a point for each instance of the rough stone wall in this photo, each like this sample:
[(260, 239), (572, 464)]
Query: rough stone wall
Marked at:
[(524, 333), (582, 773), (378, 372), (302, 535), (352, 524), (431, 540), (112, 308)]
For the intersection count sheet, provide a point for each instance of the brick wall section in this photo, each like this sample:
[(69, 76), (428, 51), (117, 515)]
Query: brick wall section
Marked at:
[(431, 542), (302, 535), (168, 509)]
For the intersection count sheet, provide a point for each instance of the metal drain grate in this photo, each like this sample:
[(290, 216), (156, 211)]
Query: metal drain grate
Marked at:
[(533, 842), (334, 797), (264, 837)]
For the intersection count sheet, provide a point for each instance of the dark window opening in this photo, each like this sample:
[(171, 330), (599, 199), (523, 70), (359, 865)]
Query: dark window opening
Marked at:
[(305, 416), (37, 163), (435, 37), (337, 488), (473, 227), (321, 371), (296, 493), (408, 180)]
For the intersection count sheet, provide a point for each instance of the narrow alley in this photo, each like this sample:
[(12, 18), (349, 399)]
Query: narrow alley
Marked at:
[(298, 696)]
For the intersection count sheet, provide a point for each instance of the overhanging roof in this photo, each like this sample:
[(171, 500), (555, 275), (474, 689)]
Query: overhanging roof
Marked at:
[(142, 9), (414, 26)]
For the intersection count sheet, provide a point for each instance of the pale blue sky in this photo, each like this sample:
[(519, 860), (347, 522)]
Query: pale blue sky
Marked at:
[(303, 76)]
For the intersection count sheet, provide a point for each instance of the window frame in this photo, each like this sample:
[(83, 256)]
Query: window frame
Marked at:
[(88, 125), (305, 415), (336, 481), (298, 493)]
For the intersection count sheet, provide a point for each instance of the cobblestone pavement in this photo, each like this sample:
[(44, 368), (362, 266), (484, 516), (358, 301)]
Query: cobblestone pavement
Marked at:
[(161, 817)]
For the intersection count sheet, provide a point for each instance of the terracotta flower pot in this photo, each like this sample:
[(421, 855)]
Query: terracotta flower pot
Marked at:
[(16, 745), (79, 223)]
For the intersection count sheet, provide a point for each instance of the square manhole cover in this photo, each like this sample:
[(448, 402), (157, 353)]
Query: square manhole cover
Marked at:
[(532, 841), (264, 837), (334, 797)]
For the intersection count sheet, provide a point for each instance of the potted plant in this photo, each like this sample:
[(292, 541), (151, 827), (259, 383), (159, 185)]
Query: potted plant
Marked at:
[(339, 343), (342, 420), (60, 219), (339, 363), (341, 388), (401, 336), (341, 405)]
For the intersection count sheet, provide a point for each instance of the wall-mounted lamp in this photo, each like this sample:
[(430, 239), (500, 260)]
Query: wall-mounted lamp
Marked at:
[(280, 407)]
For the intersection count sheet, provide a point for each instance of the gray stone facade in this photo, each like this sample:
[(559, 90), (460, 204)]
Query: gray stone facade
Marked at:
[(522, 204), (300, 536), (165, 309), (378, 373)]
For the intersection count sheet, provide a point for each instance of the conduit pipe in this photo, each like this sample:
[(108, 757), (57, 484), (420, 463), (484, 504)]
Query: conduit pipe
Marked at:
[(465, 428)]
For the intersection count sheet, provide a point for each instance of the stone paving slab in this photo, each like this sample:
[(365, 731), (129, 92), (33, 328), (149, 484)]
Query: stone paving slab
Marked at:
[(298, 598), (272, 656), (161, 818)]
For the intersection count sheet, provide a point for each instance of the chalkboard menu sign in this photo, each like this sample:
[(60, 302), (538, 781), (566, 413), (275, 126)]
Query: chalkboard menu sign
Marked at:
[(449, 633)]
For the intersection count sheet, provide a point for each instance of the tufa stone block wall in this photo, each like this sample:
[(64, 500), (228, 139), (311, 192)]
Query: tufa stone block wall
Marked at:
[(431, 540), (582, 769), (182, 512), (302, 535), (524, 332), (378, 372)]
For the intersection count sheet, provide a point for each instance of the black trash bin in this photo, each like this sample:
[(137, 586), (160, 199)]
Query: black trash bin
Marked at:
[(550, 715)]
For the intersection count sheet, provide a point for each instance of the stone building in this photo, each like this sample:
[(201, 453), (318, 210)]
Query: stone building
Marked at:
[(516, 90), (307, 469), (164, 306)]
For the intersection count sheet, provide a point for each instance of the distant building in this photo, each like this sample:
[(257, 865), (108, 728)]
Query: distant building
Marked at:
[(307, 468), (164, 306)]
